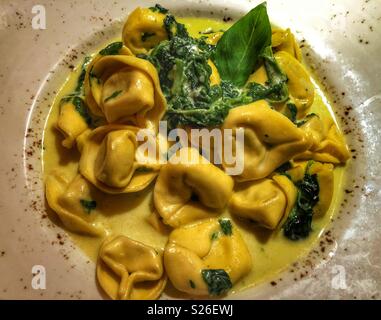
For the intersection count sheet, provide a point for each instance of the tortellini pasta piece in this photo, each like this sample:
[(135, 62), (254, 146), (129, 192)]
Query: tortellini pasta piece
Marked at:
[(143, 30), (70, 122), (130, 270), (266, 201), (125, 89), (270, 139), (259, 76), (179, 183), (325, 177), (328, 144), (109, 160), (284, 40), (72, 200), (215, 76), (299, 84), (89, 99), (203, 247)]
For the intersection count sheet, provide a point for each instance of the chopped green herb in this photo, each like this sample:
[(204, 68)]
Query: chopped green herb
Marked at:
[(111, 49), (292, 111), (144, 169), (226, 226), (192, 284), (79, 105), (81, 78), (146, 35), (302, 122), (217, 280), (214, 236), (159, 8), (88, 205), (114, 95), (277, 82), (298, 223)]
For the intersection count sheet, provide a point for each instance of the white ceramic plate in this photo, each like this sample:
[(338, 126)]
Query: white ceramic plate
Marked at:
[(342, 44)]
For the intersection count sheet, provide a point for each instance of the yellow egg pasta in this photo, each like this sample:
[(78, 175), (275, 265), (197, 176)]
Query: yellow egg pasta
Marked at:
[(143, 30), (299, 84), (205, 245), (70, 123), (179, 183), (72, 200), (328, 144), (284, 40), (270, 139), (130, 270), (125, 89), (265, 201), (108, 160)]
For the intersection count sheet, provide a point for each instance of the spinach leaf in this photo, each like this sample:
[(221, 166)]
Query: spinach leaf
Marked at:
[(218, 281), (214, 236), (226, 226), (184, 72), (88, 205), (159, 8), (174, 28), (144, 169), (277, 79), (298, 223), (147, 35), (111, 49), (79, 105), (238, 50), (192, 284), (292, 111), (113, 95), (81, 78)]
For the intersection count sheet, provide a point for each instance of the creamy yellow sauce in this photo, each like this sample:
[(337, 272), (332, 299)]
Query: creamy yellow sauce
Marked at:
[(127, 213)]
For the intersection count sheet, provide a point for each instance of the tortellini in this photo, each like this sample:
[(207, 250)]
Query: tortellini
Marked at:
[(259, 76), (209, 244), (70, 122), (325, 177), (265, 201), (299, 84), (270, 139), (125, 89), (89, 99), (284, 40), (178, 184), (328, 144), (143, 30), (215, 76), (109, 160), (72, 200), (130, 270)]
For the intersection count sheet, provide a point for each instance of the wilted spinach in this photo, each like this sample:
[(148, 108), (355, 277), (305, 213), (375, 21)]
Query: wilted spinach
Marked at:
[(218, 281), (298, 223), (184, 72)]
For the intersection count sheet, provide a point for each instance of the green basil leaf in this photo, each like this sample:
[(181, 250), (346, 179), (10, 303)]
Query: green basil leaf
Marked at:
[(239, 48)]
